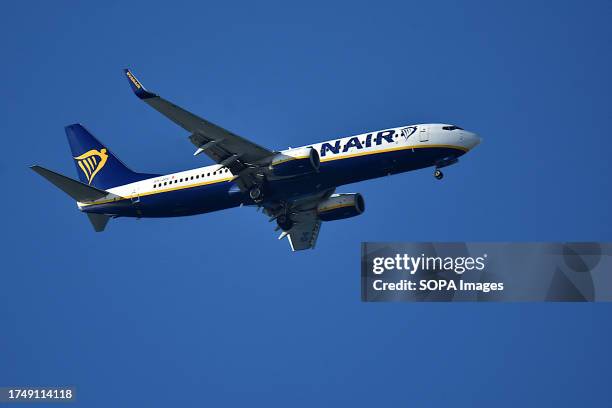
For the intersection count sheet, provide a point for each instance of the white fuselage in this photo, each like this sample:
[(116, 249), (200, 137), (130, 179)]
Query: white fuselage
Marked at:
[(407, 138)]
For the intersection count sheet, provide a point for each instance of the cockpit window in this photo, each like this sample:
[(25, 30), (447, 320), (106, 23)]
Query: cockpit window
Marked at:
[(451, 127)]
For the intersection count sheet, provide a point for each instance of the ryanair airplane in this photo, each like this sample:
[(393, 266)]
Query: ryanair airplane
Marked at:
[(296, 187)]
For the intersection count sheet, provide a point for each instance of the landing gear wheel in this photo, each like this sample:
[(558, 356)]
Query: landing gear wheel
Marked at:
[(256, 195), (284, 222), (438, 174)]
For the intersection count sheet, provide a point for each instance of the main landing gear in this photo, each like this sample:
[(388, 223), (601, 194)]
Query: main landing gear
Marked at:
[(438, 174), (284, 222), (256, 194)]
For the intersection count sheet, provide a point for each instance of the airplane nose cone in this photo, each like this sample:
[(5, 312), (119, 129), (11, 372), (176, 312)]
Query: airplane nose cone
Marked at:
[(472, 140)]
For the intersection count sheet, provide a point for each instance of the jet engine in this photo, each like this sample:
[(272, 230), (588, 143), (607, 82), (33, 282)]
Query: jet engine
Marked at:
[(295, 162), (340, 206)]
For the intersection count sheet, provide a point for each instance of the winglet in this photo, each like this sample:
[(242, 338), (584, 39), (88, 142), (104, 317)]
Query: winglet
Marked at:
[(137, 87)]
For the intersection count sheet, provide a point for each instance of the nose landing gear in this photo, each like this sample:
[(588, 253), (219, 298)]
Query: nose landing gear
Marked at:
[(445, 162)]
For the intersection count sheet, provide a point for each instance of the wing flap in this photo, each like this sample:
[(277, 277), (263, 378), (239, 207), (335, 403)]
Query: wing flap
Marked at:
[(305, 232)]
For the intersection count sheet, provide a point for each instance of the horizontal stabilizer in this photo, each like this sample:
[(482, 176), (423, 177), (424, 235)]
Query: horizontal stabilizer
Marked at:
[(75, 189), (98, 221)]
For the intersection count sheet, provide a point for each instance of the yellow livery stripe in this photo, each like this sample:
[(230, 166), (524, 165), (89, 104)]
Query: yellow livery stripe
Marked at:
[(289, 159), (392, 149), (335, 207), (160, 191)]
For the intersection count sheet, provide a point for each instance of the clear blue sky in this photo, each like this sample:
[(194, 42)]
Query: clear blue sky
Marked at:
[(212, 310)]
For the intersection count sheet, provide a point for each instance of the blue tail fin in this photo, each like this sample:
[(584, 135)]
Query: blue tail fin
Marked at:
[(96, 165)]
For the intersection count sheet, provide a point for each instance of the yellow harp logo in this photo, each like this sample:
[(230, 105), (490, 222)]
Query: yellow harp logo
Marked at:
[(91, 162)]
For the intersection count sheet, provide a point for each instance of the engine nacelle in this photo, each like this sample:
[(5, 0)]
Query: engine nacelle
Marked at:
[(295, 162), (339, 206)]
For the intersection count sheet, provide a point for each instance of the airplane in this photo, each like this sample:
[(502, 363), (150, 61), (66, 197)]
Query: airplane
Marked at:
[(296, 187)]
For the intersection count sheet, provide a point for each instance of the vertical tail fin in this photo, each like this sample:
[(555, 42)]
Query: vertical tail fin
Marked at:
[(97, 165)]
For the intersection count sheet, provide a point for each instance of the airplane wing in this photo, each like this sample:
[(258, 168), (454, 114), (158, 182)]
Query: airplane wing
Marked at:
[(305, 232), (306, 222), (221, 145)]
